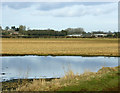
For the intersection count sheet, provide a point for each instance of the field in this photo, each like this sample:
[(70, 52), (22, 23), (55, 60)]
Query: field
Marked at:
[(60, 46), (106, 79)]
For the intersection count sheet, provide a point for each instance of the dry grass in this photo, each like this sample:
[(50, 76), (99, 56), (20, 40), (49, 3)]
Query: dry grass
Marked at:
[(70, 79), (60, 46), (42, 85)]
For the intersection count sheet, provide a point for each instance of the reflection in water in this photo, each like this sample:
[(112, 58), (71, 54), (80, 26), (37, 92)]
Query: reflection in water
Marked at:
[(47, 67)]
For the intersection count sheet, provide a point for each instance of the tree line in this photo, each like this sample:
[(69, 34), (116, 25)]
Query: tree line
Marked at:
[(22, 32)]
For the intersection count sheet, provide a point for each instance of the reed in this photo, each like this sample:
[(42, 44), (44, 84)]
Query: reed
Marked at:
[(105, 79)]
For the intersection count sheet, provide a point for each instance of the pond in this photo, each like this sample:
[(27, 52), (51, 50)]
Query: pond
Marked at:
[(15, 67)]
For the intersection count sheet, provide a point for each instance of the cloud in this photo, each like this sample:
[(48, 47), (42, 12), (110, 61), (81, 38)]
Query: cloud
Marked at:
[(64, 9), (17, 5), (46, 6), (78, 10)]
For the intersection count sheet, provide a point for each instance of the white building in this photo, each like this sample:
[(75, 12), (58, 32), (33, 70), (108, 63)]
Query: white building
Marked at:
[(75, 35), (100, 35)]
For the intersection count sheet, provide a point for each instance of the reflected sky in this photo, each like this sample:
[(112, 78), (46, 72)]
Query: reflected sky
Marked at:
[(48, 66)]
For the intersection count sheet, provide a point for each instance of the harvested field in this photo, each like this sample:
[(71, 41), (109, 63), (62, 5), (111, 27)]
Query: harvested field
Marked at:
[(60, 46)]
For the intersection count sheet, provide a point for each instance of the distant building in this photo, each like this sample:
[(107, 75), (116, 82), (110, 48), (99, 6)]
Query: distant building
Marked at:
[(10, 30), (75, 35), (15, 33), (87, 35), (100, 35)]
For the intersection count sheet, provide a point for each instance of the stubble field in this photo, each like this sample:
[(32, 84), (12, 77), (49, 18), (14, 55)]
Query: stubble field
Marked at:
[(60, 46)]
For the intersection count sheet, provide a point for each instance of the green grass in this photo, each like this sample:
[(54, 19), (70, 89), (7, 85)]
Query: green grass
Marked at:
[(107, 81), (102, 82)]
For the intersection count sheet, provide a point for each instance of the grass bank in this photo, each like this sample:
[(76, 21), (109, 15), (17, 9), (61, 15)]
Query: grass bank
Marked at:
[(106, 79), (60, 46)]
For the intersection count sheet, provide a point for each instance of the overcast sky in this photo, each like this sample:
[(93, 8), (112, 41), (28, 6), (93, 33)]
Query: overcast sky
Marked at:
[(91, 16)]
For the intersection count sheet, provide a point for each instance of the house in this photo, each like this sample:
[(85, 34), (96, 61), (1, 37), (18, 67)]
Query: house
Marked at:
[(15, 33)]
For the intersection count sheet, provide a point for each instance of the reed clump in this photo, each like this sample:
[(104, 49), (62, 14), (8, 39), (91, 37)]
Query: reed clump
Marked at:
[(107, 76), (43, 85)]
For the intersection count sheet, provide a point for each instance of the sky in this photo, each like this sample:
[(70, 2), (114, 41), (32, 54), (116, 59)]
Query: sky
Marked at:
[(92, 16)]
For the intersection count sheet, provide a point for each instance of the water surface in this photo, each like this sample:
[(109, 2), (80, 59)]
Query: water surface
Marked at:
[(14, 67)]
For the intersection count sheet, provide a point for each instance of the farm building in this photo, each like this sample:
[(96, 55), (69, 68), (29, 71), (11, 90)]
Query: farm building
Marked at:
[(75, 35), (100, 35), (87, 35)]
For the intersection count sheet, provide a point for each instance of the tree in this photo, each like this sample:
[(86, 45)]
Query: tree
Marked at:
[(13, 28), (75, 31), (64, 31), (17, 29), (98, 32), (28, 28), (0, 28), (22, 28), (7, 28)]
